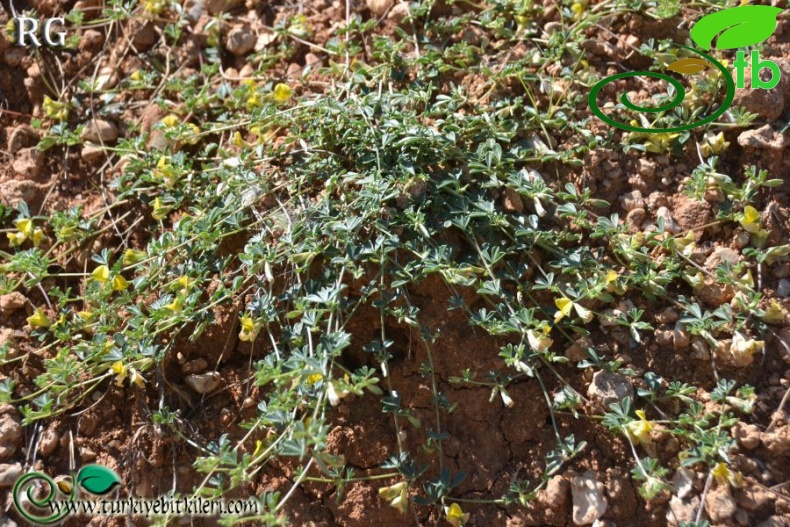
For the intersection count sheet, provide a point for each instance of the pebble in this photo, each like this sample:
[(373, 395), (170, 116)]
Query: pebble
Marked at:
[(240, 40), (10, 435), (194, 366), (378, 7), (632, 200), (589, 502), (721, 255), (48, 442), (608, 388), (204, 382), (216, 7), (667, 316), (99, 131), (783, 289), (720, 504), (680, 337), (748, 436), (700, 348), (683, 481), (91, 153), (144, 34), (682, 510), (669, 221), (23, 136), (11, 302), (773, 521), (28, 163), (511, 201), (398, 13), (777, 441), (9, 473), (762, 138)]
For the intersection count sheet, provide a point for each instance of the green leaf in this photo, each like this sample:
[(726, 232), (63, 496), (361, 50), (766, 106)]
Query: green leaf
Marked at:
[(97, 479), (737, 27)]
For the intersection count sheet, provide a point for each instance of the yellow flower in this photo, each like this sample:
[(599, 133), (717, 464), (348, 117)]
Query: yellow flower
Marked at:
[(136, 76), (120, 372), (282, 92), (724, 475), (751, 219), (314, 378), (193, 136), (639, 431), (119, 283), (25, 226), (539, 340), (176, 305), (154, 7), (136, 379), (57, 111), (455, 515), (171, 120), (686, 244), (714, 144), (39, 319), (396, 495), (564, 306), (742, 349), (299, 26), (132, 256), (577, 9), (85, 316), (101, 274), (160, 210), (774, 314), (249, 330), (38, 235)]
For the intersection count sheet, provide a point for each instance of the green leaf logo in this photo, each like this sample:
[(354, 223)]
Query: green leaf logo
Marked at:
[(737, 27), (97, 479)]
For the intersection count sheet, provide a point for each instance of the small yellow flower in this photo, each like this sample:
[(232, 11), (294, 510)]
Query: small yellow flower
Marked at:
[(577, 9), (299, 26), (314, 378), (119, 283), (136, 379), (639, 431), (160, 210), (136, 76), (714, 144), (171, 120), (38, 235), (249, 331), (282, 92), (85, 316), (724, 475), (120, 372), (39, 319), (193, 135), (57, 111), (396, 495), (132, 256), (455, 515), (774, 313), (176, 306), (539, 340), (751, 219), (743, 349), (154, 7), (564, 306), (25, 226), (101, 274)]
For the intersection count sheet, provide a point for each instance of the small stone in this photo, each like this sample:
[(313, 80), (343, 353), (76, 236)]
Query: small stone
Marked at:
[(608, 388), (589, 502), (9, 474), (11, 302), (632, 200), (378, 7), (669, 222), (99, 131), (683, 481), (667, 316), (240, 40), (106, 78), (700, 348), (216, 7), (511, 201), (754, 499), (773, 521), (682, 510), (28, 163), (713, 293), (144, 34), (23, 136), (768, 104), (763, 138), (664, 337), (48, 442), (194, 9), (742, 518), (311, 59), (680, 337), (741, 239), (13, 56), (720, 504), (634, 218), (721, 255), (777, 441), (783, 289), (194, 366), (91, 153), (398, 13), (203, 383), (91, 38), (748, 436), (10, 435)]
